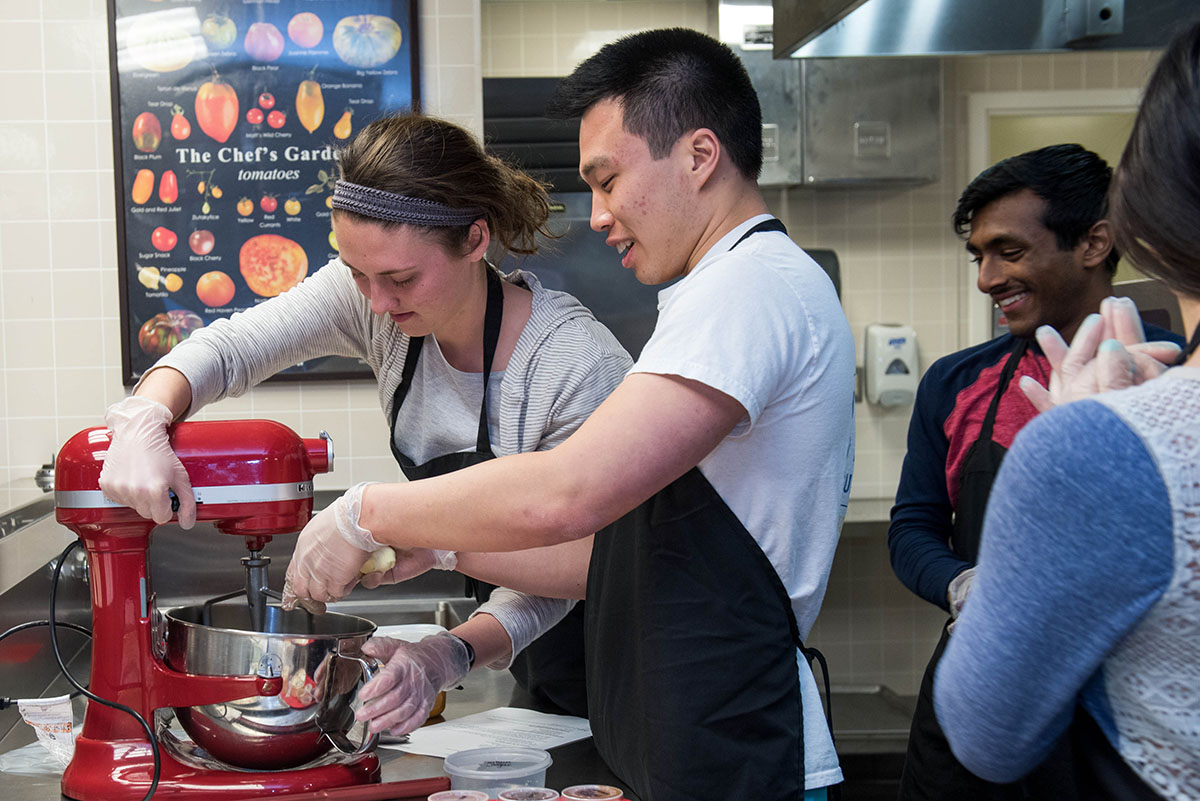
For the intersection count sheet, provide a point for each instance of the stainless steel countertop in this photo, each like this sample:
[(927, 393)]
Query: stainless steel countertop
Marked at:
[(576, 763)]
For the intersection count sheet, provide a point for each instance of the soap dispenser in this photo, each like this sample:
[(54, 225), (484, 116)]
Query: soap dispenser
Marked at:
[(890, 364)]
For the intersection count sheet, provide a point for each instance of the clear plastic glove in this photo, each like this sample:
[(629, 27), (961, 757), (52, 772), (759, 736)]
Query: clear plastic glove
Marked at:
[(329, 552), (399, 698), (1108, 352), (140, 468), (410, 563), (957, 592)]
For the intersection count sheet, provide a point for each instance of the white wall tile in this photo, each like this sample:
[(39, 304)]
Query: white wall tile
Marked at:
[(24, 245)]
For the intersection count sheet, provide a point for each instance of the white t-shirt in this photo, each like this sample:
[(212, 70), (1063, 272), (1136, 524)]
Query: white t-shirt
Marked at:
[(441, 413), (762, 323)]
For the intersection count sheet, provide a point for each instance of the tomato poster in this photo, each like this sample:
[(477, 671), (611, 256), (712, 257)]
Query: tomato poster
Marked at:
[(227, 119)]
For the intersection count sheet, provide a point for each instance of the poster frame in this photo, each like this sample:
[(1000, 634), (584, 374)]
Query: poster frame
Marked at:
[(405, 12)]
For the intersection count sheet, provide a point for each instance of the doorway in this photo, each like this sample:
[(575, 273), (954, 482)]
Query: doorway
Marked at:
[(1004, 124)]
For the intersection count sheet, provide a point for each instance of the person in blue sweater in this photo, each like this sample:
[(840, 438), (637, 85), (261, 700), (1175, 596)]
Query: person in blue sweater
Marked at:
[(1035, 226), (1086, 610)]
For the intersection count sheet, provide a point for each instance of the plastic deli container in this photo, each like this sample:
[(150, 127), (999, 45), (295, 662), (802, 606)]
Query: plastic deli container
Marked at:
[(459, 795), (587, 792), (496, 769), (529, 794)]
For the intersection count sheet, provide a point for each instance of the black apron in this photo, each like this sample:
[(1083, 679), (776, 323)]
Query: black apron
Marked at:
[(692, 652), (550, 671), (931, 770)]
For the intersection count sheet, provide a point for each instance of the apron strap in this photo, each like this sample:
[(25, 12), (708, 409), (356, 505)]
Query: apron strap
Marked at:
[(410, 368), (491, 336), (766, 225), (1010, 367)]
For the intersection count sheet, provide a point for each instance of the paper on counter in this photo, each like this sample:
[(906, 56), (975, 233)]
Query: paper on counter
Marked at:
[(51, 719), (506, 726)]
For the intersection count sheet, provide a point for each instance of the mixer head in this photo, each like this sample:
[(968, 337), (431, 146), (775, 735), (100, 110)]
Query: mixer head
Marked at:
[(251, 478)]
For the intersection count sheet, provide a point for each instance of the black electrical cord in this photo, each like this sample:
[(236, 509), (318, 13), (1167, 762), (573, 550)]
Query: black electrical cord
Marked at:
[(5, 703), (90, 695)]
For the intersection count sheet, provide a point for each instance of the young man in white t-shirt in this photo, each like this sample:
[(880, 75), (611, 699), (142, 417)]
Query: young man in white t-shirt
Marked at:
[(715, 476)]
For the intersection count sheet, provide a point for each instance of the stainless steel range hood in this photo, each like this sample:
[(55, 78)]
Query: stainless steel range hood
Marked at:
[(830, 28)]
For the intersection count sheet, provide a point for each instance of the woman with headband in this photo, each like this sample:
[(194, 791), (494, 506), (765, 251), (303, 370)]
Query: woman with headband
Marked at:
[(471, 364)]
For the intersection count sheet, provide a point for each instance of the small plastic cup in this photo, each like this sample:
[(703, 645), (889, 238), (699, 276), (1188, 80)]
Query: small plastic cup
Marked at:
[(498, 768), (529, 794), (458, 795), (590, 792)]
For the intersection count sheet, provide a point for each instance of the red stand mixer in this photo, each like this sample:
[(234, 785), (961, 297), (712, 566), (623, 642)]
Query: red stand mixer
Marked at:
[(252, 479)]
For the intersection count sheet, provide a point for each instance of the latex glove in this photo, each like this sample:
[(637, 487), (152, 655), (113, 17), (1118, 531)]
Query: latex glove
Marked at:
[(410, 563), (401, 695), (1108, 352), (140, 467), (957, 592), (329, 552)]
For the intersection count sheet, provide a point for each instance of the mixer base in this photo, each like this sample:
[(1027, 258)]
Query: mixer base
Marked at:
[(122, 771)]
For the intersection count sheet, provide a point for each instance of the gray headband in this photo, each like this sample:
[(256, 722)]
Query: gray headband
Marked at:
[(383, 205)]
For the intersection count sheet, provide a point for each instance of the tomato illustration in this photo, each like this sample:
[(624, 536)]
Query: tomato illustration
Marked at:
[(245, 207), (263, 42), (168, 187), (272, 264), (306, 29), (180, 127), (201, 242), (217, 108), (215, 289), (163, 239), (268, 203), (310, 105), (147, 132), (266, 100), (218, 30), (166, 330), (276, 119), (254, 116), (216, 192), (143, 186), (292, 206), (342, 129), (366, 40)]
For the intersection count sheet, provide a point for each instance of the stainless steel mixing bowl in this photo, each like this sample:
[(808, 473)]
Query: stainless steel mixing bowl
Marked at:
[(322, 665)]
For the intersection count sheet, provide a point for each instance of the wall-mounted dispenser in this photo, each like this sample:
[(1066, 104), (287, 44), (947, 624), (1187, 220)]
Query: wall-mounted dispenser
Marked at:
[(890, 364)]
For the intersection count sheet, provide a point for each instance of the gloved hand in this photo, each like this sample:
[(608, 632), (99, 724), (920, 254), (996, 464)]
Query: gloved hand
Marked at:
[(410, 563), (957, 592), (140, 466), (1108, 352), (400, 696), (329, 552)]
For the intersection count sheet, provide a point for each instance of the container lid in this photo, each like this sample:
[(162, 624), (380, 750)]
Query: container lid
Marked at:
[(496, 763), (458, 795)]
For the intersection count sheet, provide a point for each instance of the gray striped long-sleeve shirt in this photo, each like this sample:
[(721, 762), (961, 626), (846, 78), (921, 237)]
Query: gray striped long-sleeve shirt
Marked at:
[(563, 365)]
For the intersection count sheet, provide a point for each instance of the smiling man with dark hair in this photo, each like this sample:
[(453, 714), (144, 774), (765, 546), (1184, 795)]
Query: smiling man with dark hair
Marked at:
[(1035, 227)]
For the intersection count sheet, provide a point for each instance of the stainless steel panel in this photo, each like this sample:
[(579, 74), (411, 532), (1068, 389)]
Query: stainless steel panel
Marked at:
[(948, 27), (780, 94), (872, 121)]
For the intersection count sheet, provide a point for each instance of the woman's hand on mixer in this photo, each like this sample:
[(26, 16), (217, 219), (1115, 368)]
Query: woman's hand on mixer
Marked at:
[(409, 563), (329, 552), (399, 698), (140, 469)]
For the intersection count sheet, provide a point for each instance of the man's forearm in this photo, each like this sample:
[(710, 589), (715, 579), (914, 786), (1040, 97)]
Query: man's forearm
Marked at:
[(558, 571)]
